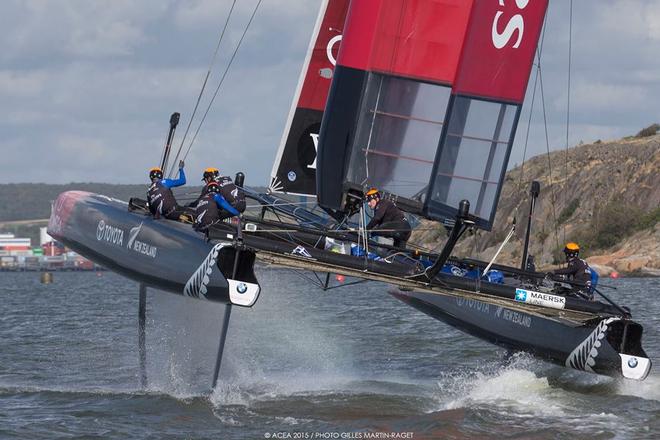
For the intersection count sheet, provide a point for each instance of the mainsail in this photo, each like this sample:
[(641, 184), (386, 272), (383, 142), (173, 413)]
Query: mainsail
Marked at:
[(425, 101), (294, 170)]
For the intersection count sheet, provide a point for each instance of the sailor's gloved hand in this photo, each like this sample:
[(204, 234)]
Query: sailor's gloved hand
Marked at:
[(181, 164)]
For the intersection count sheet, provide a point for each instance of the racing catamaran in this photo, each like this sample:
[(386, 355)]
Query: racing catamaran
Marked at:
[(422, 101)]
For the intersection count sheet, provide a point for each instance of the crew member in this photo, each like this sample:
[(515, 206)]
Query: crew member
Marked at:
[(160, 197), (577, 270), (232, 193), (212, 208), (210, 174), (388, 220)]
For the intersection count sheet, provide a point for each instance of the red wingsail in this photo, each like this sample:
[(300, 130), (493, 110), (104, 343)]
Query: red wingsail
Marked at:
[(425, 100)]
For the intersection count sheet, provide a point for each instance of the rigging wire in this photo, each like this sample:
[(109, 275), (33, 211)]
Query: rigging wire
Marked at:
[(547, 148), (201, 92), (222, 79), (568, 95), (539, 52)]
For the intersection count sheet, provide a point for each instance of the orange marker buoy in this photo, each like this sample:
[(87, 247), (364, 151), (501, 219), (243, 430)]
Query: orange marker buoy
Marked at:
[(614, 274), (340, 278)]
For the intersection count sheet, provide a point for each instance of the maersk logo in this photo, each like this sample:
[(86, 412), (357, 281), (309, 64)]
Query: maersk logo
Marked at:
[(540, 299), (140, 246), (109, 234)]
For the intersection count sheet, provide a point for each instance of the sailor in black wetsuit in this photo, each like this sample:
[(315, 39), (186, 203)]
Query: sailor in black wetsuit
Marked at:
[(577, 270), (160, 197), (231, 193), (212, 208), (210, 175), (388, 220)]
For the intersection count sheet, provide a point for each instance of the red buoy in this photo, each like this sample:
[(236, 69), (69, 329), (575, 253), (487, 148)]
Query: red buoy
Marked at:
[(614, 274), (340, 278)]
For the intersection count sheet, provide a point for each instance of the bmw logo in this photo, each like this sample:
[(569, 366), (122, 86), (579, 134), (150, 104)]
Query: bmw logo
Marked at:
[(292, 176), (632, 362), (241, 287)]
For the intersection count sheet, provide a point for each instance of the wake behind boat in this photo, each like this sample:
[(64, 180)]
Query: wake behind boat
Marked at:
[(429, 120)]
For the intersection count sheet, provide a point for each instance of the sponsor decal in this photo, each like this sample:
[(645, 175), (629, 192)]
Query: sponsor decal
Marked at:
[(583, 357), (109, 234), (196, 285), (315, 140), (139, 246), (515, 317), (300, 250), (291, 176), (540, 299), (473, 304), (329, 49), (515, 26)]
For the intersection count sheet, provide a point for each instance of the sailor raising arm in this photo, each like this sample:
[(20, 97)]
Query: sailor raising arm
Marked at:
[(160, 197)]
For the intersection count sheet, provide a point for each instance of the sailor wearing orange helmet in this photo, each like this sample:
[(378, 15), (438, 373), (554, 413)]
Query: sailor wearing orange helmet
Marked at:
[(577, 270), (160, 197), (388, 220)]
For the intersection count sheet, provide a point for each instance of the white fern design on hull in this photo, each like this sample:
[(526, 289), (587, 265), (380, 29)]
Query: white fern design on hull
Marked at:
[(583, 357), (196, 285)]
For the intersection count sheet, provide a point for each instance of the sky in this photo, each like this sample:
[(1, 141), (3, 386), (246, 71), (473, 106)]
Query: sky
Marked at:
[(87, 87)]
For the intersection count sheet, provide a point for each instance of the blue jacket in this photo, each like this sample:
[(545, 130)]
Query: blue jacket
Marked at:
[(222, 203), (171, 183)]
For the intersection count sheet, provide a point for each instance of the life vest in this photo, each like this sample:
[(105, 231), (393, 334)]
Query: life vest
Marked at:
[(160, 198), (206, 211)]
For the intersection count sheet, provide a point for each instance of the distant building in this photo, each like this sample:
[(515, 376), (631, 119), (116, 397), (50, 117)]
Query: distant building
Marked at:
[(10, 245), (44, 237)]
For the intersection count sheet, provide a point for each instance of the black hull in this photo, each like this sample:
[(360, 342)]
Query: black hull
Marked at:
[(594, 344), (162, 254), (168, 255)]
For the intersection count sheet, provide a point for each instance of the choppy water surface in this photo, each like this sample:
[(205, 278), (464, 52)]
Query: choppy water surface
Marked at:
[(302, 363)]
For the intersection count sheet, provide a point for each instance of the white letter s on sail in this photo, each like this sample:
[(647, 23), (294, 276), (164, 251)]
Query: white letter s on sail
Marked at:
[(515, 24)]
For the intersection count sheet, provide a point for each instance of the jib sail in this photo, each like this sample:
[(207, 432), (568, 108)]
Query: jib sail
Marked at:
[(294, 170), (425, 101)]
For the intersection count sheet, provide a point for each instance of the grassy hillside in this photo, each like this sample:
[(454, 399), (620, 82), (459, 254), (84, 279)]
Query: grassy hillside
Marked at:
[(27, 201)]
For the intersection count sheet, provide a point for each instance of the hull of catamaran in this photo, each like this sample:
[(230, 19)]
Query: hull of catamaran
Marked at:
[(609, 345), (162, 254), (171, 256)]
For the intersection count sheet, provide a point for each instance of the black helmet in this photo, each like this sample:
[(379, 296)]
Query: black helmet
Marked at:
[(213, 187), (155, 173)]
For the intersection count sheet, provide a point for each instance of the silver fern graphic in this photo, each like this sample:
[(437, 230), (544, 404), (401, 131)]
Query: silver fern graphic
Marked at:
[(583, 357), (196, 285), (275, 185), (132, 235)]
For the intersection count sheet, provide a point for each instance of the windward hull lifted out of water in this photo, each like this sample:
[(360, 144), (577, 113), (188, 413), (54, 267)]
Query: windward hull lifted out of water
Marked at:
[(161, 254)]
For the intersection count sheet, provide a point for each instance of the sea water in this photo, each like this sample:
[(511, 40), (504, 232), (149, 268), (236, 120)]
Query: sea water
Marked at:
[(349, 363)]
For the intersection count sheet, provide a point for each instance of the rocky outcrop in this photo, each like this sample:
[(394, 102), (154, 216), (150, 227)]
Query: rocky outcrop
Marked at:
[(582, 191)]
